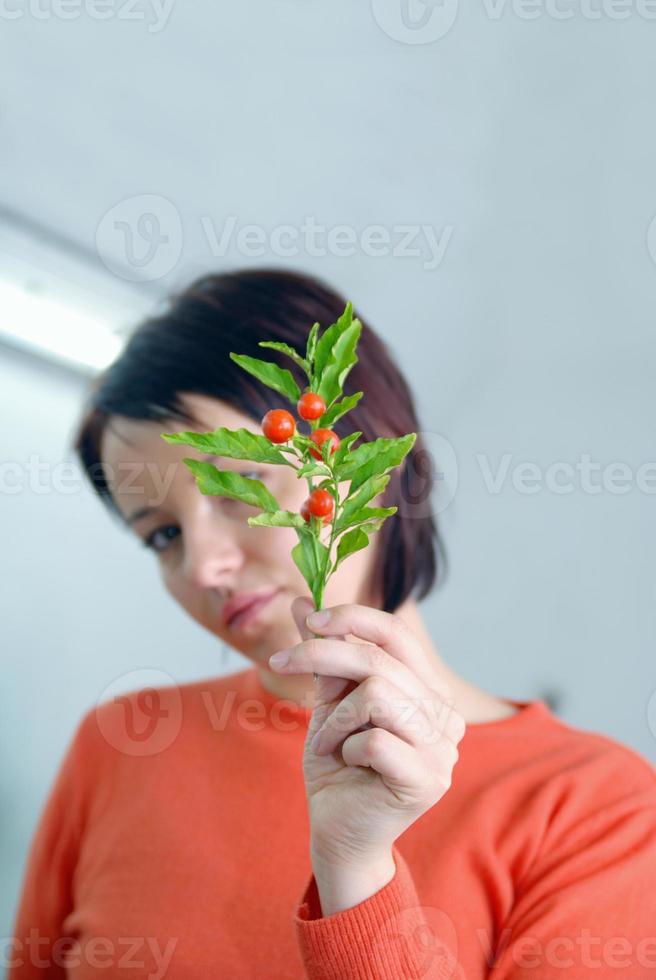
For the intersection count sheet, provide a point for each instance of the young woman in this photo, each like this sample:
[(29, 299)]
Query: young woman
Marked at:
[(199, 831)]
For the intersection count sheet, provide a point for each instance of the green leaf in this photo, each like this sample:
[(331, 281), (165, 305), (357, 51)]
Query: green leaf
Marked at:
[(353, 541), (310, 556), (340, 362), (312, 468), (372, 458), (344, 447), (353, 503), (301, 442), (235, 443), (281, 518), (339, 409), (225, 483), (327, 449), (280, 379), (363, 515), (312, 342), (330, 337), (289, 351)]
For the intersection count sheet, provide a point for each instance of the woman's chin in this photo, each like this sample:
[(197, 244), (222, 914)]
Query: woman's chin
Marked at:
[(259, 645)]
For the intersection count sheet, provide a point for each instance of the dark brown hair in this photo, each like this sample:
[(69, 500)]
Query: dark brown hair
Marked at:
[(186, 349)]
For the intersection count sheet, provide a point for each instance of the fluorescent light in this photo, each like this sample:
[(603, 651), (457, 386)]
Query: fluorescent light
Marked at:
[(45, 324)]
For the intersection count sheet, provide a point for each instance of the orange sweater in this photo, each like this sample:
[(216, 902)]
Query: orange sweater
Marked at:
[(174, 843)]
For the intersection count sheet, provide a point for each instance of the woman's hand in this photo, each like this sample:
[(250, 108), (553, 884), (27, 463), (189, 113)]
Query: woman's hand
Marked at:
[(388, 732)]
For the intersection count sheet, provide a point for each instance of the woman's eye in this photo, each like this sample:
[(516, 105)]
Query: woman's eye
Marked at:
[(160, 538)]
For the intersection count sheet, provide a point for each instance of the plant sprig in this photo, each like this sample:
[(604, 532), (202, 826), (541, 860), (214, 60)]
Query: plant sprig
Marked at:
[(316, 455)]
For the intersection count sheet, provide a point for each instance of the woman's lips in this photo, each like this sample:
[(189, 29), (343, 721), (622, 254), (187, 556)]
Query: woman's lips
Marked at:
[(251, 611)]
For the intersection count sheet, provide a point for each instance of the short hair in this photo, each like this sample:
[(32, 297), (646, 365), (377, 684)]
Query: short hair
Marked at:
[(186, 347)]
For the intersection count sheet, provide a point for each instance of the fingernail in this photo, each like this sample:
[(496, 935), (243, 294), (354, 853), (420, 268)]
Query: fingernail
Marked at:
[(319, 618), (279, 659)]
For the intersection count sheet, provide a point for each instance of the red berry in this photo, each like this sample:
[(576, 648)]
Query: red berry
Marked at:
[(307, 514), (319, 436), (321, 503), (310, 406), (278, 425)]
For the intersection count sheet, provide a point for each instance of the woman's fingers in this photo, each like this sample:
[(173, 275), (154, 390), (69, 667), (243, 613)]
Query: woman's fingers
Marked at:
[(406, 774), (388, 632), (327, 689), (378, 703), (335, 659), (386, 682)]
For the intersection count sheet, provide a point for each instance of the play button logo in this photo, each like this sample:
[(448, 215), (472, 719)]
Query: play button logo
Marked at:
[(415, 21)]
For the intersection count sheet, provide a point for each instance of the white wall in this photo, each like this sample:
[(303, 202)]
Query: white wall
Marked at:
[(534, 337)]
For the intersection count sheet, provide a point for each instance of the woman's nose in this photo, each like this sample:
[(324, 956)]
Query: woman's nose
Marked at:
[(212, 556)]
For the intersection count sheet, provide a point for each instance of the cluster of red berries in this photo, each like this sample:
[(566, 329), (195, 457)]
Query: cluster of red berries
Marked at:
[(279, 426)]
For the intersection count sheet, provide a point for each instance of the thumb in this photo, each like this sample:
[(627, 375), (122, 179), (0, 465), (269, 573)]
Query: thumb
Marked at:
[(302, 606), (327, 689)]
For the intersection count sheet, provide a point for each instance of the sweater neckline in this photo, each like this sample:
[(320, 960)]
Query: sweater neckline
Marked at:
[(257, 689), (527, 710)]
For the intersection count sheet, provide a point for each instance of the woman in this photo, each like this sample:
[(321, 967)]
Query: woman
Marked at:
[(197, 831)]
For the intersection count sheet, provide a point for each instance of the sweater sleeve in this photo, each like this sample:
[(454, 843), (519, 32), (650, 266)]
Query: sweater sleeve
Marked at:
[(386, 937), (39, 945), (587, 907)]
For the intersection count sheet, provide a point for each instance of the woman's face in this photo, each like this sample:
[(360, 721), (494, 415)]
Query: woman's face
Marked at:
[(204, 545)]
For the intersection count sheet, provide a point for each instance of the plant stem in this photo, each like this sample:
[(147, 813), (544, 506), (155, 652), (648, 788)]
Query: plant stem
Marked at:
[(334, 523)]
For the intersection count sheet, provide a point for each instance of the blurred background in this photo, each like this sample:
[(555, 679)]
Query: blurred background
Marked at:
[(478, 179)]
